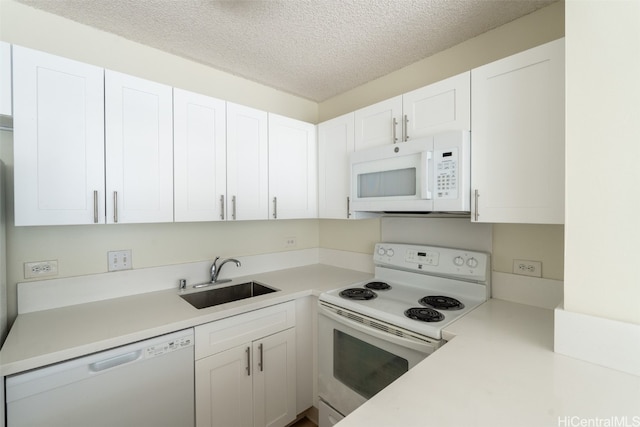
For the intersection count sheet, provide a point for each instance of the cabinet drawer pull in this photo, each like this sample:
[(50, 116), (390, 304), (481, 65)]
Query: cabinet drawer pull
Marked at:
[(248, 350), (233, 207), (275, 207), (115, 207), (222, 206), (393, 128), (348, 207), (95, 207), (475, 213), (261, 362), (406, 127)]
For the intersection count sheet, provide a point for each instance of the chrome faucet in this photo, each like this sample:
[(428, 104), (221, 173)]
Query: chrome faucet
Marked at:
[(215, 268)]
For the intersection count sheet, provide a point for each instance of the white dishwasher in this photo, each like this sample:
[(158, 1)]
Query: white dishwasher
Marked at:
[(148, 383)]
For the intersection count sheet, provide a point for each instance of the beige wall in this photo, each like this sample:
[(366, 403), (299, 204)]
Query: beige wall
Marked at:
[(82, 249), (602, 275), (510, 241), (542, 26), (40, 30)]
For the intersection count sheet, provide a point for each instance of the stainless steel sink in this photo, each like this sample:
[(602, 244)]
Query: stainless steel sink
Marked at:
[(217, 296)]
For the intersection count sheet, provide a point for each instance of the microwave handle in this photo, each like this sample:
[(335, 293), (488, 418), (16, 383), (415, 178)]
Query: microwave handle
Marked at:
[(426, 162)]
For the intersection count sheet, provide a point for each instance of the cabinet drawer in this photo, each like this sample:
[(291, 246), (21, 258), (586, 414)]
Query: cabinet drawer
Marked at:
[(224, 334)]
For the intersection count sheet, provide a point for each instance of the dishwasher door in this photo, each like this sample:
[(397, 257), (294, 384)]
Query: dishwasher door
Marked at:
[(148, 383)]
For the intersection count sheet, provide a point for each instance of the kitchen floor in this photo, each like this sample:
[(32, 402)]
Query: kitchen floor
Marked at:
[(305, 422)]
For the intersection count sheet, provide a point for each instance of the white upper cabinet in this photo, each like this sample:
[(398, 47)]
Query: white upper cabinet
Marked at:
[(292, 168), (58, 140), (335, 142), (199, 157), (247, 163), (439, 107), (139, 150), (518, 138), (5, 79), (378, 124)]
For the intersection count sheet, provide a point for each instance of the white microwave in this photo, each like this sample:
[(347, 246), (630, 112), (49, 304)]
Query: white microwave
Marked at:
[(430, 174)]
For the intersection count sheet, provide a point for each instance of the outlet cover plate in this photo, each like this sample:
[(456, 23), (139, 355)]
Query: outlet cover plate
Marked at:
[(527, 268), (38, 269)]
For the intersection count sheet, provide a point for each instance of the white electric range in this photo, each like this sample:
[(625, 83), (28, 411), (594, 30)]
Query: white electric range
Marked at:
[(370, 333)]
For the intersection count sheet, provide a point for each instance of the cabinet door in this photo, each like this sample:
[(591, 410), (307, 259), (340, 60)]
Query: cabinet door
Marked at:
[(139, 150), (379, 124), (5, 79), (335, 143), (199, 157), (224, 384), (518, 137), (58, 140), (247, 163), (292, 168), (274, 382), (439, 107)]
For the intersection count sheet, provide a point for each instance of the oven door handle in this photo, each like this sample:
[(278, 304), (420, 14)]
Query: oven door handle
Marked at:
[(415, 343)]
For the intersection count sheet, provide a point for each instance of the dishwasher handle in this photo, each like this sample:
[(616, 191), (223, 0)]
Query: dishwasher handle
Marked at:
[(112, 362)]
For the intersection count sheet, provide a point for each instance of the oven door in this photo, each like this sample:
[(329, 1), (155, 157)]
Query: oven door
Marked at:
[(356, 361)]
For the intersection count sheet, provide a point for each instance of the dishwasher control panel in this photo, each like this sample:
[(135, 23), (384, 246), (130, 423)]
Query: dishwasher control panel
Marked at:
[(169, 346)]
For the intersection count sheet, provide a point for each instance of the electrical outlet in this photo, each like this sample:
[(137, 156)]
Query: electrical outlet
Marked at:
[(527, 268), (290, 242), (40, 269), (119, 260)]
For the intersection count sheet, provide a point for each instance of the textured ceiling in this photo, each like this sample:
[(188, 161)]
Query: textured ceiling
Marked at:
[(311, 48)]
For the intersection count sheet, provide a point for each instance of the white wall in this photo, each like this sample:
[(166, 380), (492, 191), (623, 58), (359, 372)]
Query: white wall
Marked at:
[(602, 237)]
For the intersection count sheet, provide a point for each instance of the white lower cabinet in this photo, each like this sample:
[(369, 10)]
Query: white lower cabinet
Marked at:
[(252, 383)]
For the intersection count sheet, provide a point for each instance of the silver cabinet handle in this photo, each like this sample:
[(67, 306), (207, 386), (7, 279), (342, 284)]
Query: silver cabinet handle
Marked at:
[(261, 362), (233, 207), (248, 350), (275, 207), (475, 197), (95, 207), (393, 127), (348, 207), (406, 127), (222, 206), (115, 207)]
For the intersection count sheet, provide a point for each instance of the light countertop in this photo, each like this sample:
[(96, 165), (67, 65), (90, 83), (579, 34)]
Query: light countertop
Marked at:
[(499, 369), (50, 336)]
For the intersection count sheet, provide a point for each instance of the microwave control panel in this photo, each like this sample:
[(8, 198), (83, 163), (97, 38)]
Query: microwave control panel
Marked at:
[(446, 171)]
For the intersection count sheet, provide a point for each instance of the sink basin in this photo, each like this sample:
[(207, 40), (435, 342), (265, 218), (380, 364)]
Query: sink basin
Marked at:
[(217, 296)]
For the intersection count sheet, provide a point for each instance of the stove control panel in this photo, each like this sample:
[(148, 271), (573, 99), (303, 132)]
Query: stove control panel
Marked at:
[(460, 263)]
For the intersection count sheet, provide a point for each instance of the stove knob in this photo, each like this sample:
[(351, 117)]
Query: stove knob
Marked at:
[(472, 262), (459, 261), (381, 251), (390, 252)]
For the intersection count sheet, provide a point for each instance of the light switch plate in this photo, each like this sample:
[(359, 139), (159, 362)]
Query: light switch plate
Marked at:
[(119, 260)]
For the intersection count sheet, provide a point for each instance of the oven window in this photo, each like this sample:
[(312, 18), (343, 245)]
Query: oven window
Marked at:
[(399, 182), (364, 368)]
